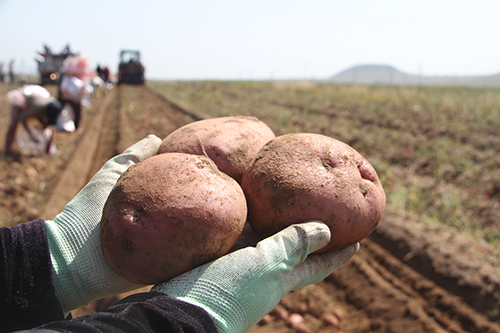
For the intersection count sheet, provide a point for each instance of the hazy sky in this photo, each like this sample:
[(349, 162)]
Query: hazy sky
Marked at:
[(260, 39)]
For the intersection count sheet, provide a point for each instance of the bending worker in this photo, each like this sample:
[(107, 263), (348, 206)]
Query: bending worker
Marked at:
[(32, 102), (53, 267)]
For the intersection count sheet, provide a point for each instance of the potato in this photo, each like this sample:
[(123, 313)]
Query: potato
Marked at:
[(168, 214), (231, 142), (304, 176)]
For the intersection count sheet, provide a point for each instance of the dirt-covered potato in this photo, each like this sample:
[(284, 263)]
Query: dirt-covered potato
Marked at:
[(302, 177), (168, 214), (231, 142)]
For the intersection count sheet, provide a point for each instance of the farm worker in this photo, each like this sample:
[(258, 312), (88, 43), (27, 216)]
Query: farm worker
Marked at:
[(105, 74), (1, 71), (75, 80), (52, 267), (11, 70), (32, 101)]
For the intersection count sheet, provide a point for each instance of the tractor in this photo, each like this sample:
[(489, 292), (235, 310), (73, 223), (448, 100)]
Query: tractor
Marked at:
[(130, 69)]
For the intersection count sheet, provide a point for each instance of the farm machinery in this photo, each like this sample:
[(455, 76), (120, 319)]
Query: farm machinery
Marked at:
[(130, 69), (50, 64)]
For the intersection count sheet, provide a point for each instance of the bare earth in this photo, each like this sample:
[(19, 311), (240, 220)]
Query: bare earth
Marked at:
[(405, 278)]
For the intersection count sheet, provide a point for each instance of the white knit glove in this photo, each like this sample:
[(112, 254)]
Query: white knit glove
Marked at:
[(81, 274), (240, 288)]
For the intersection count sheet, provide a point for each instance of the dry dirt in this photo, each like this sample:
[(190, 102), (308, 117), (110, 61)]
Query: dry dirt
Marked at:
[(405, 278)]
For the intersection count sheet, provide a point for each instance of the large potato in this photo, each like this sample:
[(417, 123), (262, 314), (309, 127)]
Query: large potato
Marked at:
[(168, 214), (302, 177), (231, 142)]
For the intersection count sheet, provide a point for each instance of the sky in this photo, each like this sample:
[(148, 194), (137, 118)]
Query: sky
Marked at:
[(259, 39)]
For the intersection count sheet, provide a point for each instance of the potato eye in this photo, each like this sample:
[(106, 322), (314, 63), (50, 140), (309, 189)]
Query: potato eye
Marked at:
[(363, 189)]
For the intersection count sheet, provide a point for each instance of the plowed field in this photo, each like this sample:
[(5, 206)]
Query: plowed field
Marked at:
[(404, 279)]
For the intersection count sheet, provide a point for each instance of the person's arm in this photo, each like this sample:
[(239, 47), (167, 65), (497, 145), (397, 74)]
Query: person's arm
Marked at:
[(30, 132), (28, 299), (35, 108), (11, 131)]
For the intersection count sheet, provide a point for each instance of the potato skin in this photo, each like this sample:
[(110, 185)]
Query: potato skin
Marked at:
[(304, 176), (168, 214), (231, 142)]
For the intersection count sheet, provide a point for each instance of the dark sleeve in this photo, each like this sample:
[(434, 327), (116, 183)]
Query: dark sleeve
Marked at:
[(141, 313), (27, 296)]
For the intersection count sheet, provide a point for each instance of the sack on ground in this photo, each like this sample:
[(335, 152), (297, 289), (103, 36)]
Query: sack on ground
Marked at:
[(65, 122)]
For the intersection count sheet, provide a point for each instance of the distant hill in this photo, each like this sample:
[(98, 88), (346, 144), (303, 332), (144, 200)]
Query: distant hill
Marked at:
[(388, 75)]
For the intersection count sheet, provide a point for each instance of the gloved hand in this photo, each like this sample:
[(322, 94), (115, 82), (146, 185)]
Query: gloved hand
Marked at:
[(240, 288), (81, 274)]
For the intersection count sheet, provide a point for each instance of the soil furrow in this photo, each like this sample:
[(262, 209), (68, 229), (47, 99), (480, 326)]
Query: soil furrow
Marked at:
[(443, 262), (382, 288), (108, 133)]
